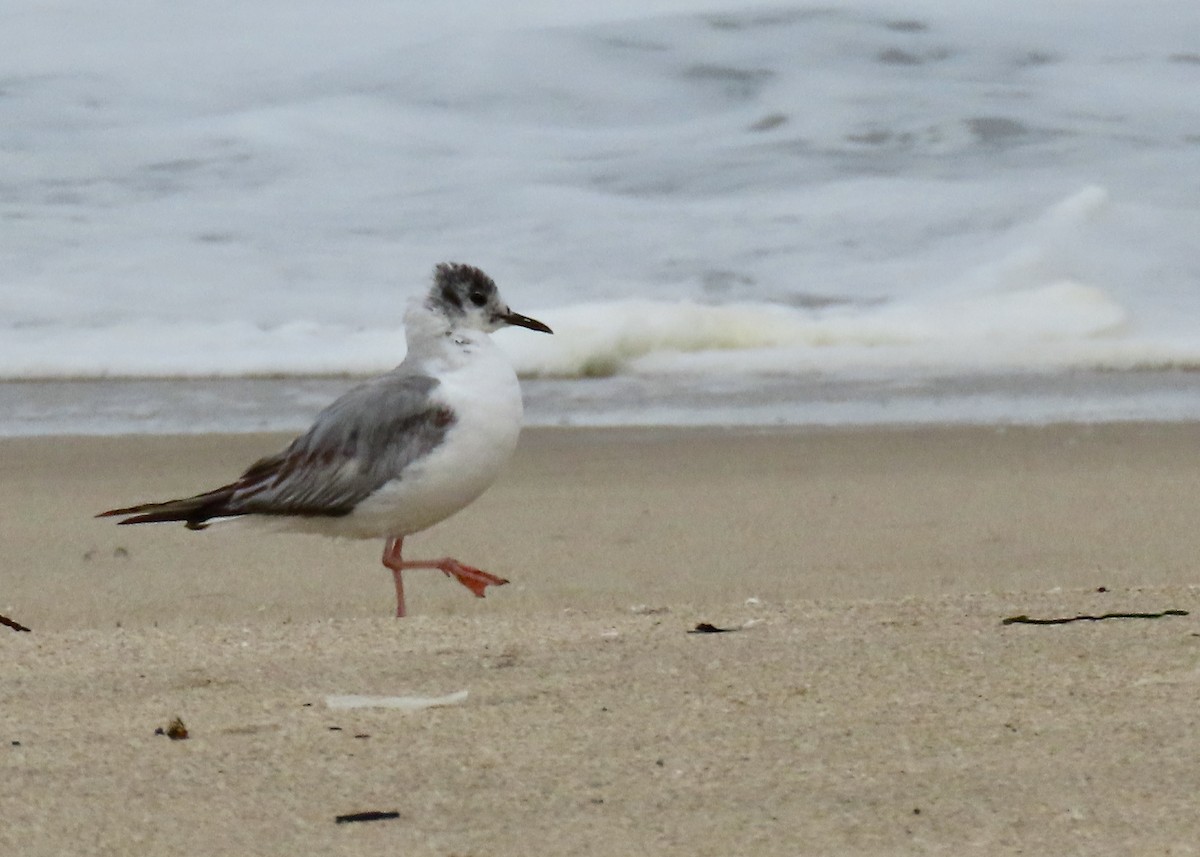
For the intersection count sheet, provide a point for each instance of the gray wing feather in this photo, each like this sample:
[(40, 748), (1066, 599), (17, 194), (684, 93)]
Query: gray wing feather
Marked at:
[(361, 441)]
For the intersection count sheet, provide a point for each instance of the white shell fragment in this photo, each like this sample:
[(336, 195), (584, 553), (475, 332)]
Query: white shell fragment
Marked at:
[(404, 703)]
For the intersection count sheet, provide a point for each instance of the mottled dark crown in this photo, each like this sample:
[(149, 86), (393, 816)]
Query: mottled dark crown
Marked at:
[(459, 287)]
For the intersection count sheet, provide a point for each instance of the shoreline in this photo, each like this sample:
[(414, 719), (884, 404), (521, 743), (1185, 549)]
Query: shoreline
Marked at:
[(103, 407)]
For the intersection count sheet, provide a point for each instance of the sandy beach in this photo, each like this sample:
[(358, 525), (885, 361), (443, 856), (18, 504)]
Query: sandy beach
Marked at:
[(868, 699)]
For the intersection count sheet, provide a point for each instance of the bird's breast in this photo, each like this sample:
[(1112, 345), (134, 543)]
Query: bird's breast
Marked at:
[(484, 398)]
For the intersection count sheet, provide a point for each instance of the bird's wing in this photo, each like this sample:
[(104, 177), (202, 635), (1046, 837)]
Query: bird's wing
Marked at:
[(366, 438)]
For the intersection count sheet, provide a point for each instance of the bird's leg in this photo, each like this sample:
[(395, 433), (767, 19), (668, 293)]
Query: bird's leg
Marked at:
[(473, 578), (391, 559)]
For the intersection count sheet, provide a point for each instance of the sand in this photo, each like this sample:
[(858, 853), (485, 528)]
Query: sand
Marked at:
[(869, 700)]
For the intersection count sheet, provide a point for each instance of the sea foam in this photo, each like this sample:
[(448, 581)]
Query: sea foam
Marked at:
[(679, 188)]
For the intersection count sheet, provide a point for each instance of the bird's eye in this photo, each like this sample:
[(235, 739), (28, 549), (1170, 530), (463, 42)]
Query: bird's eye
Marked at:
[(478, 298)]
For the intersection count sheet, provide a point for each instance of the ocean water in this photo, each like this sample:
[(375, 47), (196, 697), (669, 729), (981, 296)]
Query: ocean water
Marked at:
[(855, 212)]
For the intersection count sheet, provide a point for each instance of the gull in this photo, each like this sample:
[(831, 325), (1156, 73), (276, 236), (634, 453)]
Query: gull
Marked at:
[(397, 454)]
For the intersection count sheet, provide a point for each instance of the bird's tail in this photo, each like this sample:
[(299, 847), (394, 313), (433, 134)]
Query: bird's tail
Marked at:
[(193, 511)]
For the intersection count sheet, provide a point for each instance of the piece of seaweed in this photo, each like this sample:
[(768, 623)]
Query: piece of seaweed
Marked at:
[(14, 624), (1064, 620), (374, 815), (709, 628)]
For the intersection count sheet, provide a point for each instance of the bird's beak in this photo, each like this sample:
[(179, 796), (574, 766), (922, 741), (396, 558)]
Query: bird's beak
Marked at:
[(519, 320)]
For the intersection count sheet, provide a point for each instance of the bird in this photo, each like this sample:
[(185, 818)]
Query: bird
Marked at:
[(398, 453)]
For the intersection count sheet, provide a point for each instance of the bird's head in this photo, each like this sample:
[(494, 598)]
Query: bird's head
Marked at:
[(467, 297)]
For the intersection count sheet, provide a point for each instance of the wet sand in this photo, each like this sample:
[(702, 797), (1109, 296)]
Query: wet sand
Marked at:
[(869, 702)]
